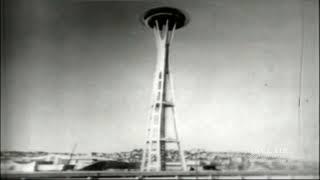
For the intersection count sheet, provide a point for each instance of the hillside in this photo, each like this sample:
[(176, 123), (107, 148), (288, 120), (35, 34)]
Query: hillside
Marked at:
[(220, 160)]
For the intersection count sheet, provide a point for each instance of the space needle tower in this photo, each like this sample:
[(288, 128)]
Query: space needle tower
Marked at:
[(162, 133)]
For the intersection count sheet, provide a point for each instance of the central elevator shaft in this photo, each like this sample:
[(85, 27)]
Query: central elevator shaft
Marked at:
[(164, 104)]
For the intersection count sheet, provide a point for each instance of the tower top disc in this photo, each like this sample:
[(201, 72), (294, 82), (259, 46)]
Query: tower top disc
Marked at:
[(162, 15)]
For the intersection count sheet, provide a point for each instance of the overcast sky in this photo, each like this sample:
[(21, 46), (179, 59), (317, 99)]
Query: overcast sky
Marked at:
[(81, 72)]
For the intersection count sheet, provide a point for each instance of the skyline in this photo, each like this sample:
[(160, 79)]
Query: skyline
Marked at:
[(82, 72)]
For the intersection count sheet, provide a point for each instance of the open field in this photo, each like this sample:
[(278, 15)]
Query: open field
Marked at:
[(164, 175)]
